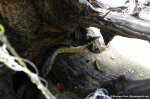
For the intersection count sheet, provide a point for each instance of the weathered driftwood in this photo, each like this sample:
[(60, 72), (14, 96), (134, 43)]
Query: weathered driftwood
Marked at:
[(86, 72), (35, 26), (122, 87), (122, 23), (6, 83), (81, 77), (130, 25)]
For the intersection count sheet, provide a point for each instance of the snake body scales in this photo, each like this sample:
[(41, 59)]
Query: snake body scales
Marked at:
[(47, 67)]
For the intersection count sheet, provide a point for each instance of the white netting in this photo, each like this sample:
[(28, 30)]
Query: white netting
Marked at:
[(11, 59), (100, 93)]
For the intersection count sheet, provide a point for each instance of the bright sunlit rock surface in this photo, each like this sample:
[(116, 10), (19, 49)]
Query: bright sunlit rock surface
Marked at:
[(118, 3), (113, 3), (126, 56), (134, 49)]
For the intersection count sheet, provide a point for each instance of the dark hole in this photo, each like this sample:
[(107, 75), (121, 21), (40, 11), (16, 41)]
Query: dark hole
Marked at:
[(99, 97), (87, 61)]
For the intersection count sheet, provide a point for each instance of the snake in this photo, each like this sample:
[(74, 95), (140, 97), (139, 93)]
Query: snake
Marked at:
[(2, 29), (69, 50)]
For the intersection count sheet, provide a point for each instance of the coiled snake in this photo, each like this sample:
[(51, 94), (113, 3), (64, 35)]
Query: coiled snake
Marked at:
[(48, 65)]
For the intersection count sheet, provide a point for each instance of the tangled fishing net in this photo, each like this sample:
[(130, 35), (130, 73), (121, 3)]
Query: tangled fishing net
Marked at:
[(100, 93), (11, 59)]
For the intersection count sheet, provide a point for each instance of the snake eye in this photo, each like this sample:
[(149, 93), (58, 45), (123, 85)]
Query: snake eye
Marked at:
[(92, 38)]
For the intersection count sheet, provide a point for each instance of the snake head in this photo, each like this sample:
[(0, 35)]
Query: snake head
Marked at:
[(95, 47), (93, 38)]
